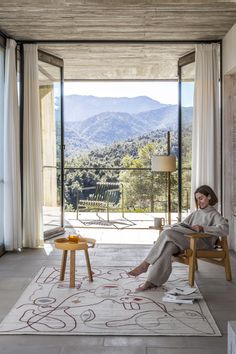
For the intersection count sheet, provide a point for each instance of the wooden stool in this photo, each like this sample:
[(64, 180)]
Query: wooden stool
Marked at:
[(67, 245)]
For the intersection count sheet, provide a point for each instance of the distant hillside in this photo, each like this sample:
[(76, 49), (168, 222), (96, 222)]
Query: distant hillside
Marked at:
[(110, 127), (78, 108), (114, 153)]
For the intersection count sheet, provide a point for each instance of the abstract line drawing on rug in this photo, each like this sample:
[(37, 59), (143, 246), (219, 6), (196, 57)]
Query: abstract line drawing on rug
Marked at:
[(108, 305)]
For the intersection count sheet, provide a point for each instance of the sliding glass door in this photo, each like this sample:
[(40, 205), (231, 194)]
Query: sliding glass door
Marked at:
[(51, 108), (186, 91)]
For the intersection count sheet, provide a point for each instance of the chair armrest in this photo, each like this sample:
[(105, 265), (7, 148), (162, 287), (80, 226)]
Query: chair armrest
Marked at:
[(87, 188), (223, 237), (198, 235), (110, 184)]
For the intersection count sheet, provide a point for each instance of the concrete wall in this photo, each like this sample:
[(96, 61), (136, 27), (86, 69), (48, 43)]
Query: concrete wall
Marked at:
[(229, 51), (229, 131), (48, 145)]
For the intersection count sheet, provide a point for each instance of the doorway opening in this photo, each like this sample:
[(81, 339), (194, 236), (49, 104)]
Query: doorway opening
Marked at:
[(112, 129)]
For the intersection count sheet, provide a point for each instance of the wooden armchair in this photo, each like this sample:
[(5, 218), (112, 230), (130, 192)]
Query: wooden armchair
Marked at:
[(218, 255)]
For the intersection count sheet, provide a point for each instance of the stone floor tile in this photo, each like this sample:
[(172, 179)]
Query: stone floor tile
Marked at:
[(103, 350), (60, 340), (213, 350), (166, 342), (35, 349)]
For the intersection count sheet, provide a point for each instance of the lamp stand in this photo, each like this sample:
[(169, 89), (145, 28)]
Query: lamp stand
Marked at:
[(168, 182), (168, 198), (167, 164)]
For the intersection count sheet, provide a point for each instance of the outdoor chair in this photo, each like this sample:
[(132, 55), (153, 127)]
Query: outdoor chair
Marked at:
[(104, 196), (218, 255)]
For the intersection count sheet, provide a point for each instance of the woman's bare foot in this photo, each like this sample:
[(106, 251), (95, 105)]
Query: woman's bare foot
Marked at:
[(141, 268), (147, 285)]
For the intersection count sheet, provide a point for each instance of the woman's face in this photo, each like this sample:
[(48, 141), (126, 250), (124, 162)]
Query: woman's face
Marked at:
[(202, 200)]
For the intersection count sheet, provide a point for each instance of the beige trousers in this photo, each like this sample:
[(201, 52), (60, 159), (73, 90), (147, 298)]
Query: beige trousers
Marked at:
[(169, 243)]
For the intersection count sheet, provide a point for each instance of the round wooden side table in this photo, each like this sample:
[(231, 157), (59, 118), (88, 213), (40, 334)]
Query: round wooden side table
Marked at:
[(67, 245)]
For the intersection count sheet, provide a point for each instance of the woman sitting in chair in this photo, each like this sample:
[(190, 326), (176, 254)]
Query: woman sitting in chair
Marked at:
[(172, 241)]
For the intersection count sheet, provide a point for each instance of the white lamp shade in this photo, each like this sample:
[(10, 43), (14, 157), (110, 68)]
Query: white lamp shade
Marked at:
[(165, 163)]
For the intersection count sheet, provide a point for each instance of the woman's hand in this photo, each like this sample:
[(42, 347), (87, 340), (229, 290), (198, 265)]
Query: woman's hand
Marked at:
[(198, 228)]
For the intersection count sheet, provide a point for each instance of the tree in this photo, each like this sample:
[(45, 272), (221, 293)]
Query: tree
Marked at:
[(141, 184)]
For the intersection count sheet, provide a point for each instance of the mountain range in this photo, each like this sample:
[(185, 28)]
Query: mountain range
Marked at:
[(78, 107), (118, 119)]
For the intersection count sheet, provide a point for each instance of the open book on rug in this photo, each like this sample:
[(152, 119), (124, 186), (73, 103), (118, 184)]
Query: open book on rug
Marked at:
[(182, 295)]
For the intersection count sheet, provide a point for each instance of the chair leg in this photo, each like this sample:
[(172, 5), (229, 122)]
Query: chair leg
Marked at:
[(108, 211), (196, 264), (90, 274), (122, 200), (63, 265), (227, 265), (72, 269), (192, 261), (77, 208)]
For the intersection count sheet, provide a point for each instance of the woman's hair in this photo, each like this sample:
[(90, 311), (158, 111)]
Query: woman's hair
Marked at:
[(207, 191)]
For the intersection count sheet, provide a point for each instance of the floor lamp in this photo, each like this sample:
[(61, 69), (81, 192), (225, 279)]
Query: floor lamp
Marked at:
[(165, 163)]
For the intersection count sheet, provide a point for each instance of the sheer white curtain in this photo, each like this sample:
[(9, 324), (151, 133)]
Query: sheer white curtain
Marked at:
[(32, 155), (206, 124), (12, 186)]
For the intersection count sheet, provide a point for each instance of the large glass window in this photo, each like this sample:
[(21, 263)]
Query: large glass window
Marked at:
[(2, 55), (112, 129)]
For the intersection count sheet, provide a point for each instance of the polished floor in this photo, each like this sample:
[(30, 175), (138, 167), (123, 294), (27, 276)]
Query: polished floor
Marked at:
[(17, 269)]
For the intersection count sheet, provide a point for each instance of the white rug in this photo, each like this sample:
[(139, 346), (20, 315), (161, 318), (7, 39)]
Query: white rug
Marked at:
[(106, 306)]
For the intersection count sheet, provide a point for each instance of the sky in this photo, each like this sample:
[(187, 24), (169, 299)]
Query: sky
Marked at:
[(162, 91)]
